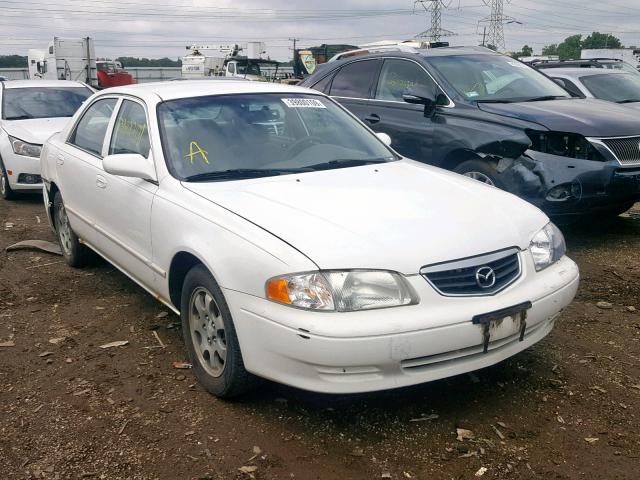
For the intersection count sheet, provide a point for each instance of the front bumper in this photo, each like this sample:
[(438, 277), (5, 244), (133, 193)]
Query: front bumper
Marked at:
[(593, 186), (25, 171), (396, 347)]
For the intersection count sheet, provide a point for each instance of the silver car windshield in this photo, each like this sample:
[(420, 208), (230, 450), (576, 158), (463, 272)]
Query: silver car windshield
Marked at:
[(615, 87), (42, 102), (495, 78), (226, 137)]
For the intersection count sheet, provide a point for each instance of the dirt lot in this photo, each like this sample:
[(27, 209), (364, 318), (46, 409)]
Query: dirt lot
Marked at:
[(569, 408)]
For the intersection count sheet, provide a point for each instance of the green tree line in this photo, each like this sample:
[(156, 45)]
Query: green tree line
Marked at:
[(20, 61), (570, 47)]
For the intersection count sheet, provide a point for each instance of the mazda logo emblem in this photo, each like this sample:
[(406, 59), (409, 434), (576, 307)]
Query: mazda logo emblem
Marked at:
[(485, 277)]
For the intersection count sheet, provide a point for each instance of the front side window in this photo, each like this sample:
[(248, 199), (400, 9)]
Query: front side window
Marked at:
[(42, 102), (615, 87), (399, 75), (495, 78), (354, 79), (242, 136), (130, 132), (92, 127)]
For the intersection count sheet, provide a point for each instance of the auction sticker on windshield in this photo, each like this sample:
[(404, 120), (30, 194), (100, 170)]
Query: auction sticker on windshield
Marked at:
[(303, 103)]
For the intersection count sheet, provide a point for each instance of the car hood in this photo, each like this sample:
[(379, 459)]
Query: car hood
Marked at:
[(36, 130), (588, 117), (398, 216)]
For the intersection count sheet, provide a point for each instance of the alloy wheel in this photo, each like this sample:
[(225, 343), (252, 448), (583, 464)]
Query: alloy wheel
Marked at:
[(64, 230), (207, 331), (480, 177)]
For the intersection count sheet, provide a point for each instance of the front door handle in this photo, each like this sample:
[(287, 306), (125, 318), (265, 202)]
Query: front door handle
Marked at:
[(101, 182), (60, 160), (373, 118)]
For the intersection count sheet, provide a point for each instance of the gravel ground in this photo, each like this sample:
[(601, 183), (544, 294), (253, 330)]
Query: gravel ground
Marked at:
[(565, 409)]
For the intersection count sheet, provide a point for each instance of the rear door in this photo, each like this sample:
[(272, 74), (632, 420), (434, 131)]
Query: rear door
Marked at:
[(412, 134), (353, 85), (79, 164)]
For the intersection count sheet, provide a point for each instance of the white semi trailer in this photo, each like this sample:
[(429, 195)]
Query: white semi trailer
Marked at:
[(65, 59)]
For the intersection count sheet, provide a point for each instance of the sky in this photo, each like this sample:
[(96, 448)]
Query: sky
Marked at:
[(154, 29)]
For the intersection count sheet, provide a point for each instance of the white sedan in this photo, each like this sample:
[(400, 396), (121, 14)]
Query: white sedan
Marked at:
[(30, 112), (295, 244)]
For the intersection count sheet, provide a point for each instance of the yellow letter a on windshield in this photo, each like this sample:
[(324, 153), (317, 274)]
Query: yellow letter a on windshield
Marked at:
[(194, 149)]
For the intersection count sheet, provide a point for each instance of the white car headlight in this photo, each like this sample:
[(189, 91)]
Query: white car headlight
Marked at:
[(547, 246), (24, 148), (342, 291)]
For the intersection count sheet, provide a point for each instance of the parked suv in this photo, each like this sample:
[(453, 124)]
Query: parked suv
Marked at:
[(492, 118)]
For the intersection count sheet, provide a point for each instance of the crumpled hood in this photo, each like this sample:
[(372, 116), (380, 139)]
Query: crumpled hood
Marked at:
[(398, 216), (588, 117), (36, 130)]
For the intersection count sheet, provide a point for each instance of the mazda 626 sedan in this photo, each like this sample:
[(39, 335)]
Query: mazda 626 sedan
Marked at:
[(295, 244)]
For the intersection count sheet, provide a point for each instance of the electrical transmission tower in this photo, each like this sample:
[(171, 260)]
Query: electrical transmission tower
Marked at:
[(433, 7), (496, 21)]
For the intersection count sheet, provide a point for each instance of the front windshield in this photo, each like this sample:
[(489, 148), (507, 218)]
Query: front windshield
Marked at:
[(42, 102), (239, 136), (495, 78), (615, 87)]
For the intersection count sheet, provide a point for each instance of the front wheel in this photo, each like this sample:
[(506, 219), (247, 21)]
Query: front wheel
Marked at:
[(75, 254), (5, 189), (210, 336), (481, 171)]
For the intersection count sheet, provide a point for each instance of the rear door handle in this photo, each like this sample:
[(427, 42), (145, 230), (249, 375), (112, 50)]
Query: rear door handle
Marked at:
[(101, 182), (60, 160), (373, 118)]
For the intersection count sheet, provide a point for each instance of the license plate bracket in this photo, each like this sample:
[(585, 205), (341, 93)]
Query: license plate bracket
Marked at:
[(486, 319)]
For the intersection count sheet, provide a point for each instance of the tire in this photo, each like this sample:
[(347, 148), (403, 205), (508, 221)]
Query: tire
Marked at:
[(620, 209), (5, 189), (210, 336), (481, 171), (75, 254)]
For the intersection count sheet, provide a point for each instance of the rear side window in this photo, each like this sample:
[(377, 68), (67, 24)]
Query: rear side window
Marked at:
[(398, 75), (569, 86), (130, 133), (354, 80), (92, 127)]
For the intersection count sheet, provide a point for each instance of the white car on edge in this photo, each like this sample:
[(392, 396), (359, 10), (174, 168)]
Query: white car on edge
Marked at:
[(30, 112), (295, 244)]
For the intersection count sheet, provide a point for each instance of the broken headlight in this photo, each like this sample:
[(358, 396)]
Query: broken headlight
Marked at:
[(562, 144)]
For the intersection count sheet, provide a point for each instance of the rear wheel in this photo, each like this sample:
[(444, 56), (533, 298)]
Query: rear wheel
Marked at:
[(481, 171), (5, 189), (75, 254), (210, 336)]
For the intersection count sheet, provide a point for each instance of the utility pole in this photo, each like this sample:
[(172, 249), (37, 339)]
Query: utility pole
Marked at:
[(496, 21), (294, 40), (433, 7)]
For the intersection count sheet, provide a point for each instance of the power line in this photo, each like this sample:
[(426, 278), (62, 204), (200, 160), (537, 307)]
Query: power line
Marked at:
[(496, 20)]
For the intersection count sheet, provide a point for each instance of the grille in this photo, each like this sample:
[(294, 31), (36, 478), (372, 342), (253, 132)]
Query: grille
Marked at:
[(626, 150), (459, 277)]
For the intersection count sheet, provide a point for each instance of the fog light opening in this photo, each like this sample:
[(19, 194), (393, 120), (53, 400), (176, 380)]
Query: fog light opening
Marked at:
[(564, 192)]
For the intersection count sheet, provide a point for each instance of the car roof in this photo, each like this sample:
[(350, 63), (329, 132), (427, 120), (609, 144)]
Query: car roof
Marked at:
[(406, 51), (194, 88), (585, 72), (42, 83)]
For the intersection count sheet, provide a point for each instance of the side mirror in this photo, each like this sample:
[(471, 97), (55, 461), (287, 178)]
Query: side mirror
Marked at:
[(129, 165), (421, 95), (560, 82), (386, 139)]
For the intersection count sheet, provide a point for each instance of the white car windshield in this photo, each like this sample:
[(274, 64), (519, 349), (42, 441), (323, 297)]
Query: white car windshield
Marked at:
[(615, 87), (227, 137), (42, 102), (495, 78)]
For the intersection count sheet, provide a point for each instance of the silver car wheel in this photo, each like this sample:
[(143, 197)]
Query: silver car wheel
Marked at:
[(3, 183), (64, 230), (207, 332), (480, 177)]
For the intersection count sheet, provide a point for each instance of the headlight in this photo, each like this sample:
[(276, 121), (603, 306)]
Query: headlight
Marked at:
[(564, 145), (547, 246), (24, 148), (342, 291)]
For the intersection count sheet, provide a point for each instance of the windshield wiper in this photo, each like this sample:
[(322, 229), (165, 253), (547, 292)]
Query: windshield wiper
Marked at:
[(240, 173), (544, 97), (629, 100), (19, 117), (347, 162)]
